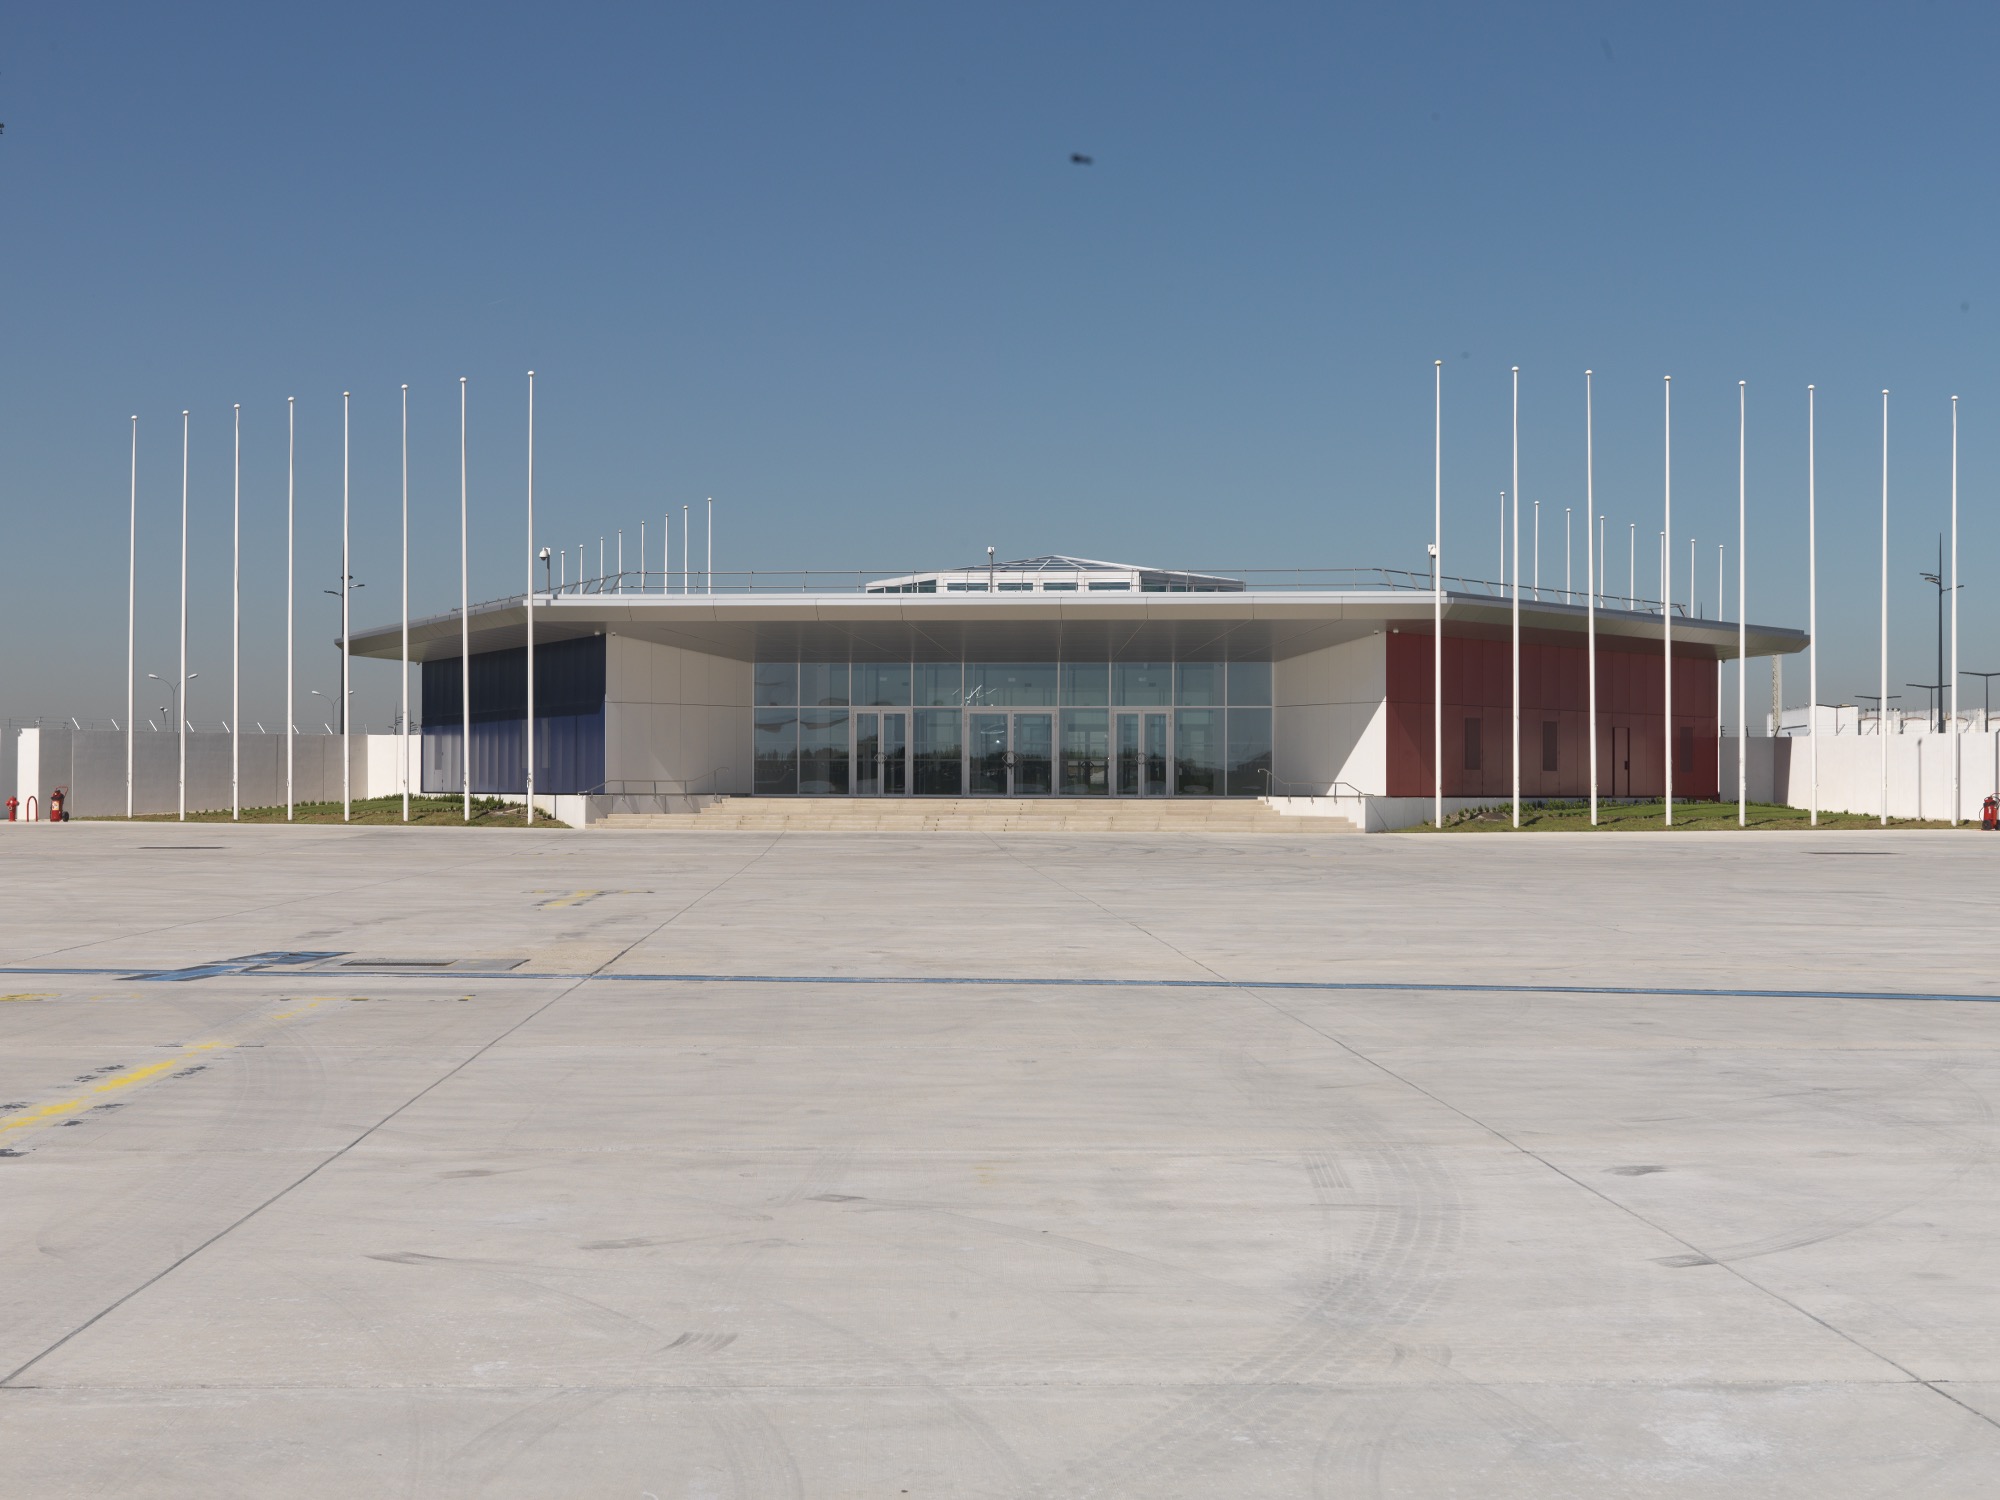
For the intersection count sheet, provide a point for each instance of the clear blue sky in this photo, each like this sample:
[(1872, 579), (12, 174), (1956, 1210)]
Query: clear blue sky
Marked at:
[(833, 266)]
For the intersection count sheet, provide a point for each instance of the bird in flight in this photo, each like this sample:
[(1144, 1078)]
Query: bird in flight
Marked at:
[(1078, 159)]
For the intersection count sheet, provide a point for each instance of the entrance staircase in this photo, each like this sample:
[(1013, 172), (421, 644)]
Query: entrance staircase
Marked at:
[(983, 815)]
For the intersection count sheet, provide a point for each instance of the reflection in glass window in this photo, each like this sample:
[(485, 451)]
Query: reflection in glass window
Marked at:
[(1250, 683), (1198, 753), (1010, 684), (1086, 752), (938, 684), (1087, 684), (823, 683), (886, 684), (1198, 683), (774, 746), (938, 753), (1141, 684), (1249, 752), (777, 682), (823, 752)]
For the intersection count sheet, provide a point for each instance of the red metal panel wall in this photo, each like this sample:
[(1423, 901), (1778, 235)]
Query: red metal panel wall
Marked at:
[(1478, 684)]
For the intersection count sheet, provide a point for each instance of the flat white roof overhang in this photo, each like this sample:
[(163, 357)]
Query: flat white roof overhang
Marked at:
[(1041, 627)]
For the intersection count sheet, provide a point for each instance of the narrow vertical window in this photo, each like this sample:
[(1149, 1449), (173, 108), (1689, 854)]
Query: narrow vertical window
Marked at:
[(1471, 744), (1549, 745)]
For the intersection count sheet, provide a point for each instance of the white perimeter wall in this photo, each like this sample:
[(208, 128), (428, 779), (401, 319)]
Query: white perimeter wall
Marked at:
[(1850, 772), (677, 717), (1329, 722), (89, 764)]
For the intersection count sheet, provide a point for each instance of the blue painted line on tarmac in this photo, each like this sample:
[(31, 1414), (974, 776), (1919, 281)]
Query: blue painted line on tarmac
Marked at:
[(233, 970)]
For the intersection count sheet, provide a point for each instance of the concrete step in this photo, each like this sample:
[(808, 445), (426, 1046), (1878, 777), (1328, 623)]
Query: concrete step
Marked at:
[(981, 815)]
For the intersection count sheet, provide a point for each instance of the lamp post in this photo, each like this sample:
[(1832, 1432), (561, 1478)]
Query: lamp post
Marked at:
[(175, 688), (341, 719), (1936, 580), (1986, 718)]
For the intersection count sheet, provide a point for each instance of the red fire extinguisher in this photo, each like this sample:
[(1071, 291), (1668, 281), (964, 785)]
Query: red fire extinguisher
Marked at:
[(56, 814), (1989, 814)]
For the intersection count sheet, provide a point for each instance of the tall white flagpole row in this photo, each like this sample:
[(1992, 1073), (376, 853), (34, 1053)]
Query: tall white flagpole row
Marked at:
[(346, 704), (1590, 585), (236, 628), (464, 625), (1667, 597), (530, 751), (1956, 742), (132, 617), (180, 697), (1742, 616), (1517, 594), (291, 485), (1882, 703), (1437, 595), (403, 748), (1812, 597)]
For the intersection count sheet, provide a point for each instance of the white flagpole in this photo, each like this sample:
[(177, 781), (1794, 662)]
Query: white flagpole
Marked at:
[(620, 588), (291, 487), (1721, 595), (1812, 600), (464, 626), (1590, 585), (1437, 594), (236, 628), (530, 782), (1882, 711), (1666, 598), (1569, 555), (666, 552), (346, 704), (180, 702), (642, 557), (1538, 552), (1631, 564), (1517, 595), (686, 536), (708, 572), (403, 749), (1742, 618), (1502, 576), (132, 618), (1956, 741)]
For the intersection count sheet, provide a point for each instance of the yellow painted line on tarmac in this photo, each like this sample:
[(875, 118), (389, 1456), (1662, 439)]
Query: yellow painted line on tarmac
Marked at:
[(574, 898), (125, 1078), (5, 998)]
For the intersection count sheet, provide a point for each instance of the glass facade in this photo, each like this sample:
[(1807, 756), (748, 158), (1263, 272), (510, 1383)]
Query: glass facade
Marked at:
[(569, 719), (1013, 729)]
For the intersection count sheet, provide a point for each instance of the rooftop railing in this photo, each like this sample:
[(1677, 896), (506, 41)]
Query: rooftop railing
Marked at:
[(654, 584)]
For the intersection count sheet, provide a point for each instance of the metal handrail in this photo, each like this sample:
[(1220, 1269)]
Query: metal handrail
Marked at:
[(1310, 788), (683, 787)]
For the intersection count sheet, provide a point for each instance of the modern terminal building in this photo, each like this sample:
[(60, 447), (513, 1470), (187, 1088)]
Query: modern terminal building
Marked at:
[(1056, 677)]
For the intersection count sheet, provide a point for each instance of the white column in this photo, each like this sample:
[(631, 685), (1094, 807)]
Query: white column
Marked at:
[(403, 748), (529, 597), (180, 693), (464, 626), (1517, 594), (1742, 619), (1666, 597), (1590, 584), (1812, 600), (132, 618), (291, 495), (346, 699), (236, 626), (1957, 742), (1882, 711), (1437, 594)]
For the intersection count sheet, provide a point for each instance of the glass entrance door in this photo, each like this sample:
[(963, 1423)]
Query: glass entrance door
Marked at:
[(1142, 755), (881, 747), (1010, 755), (986, 754), (1034, 755)]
